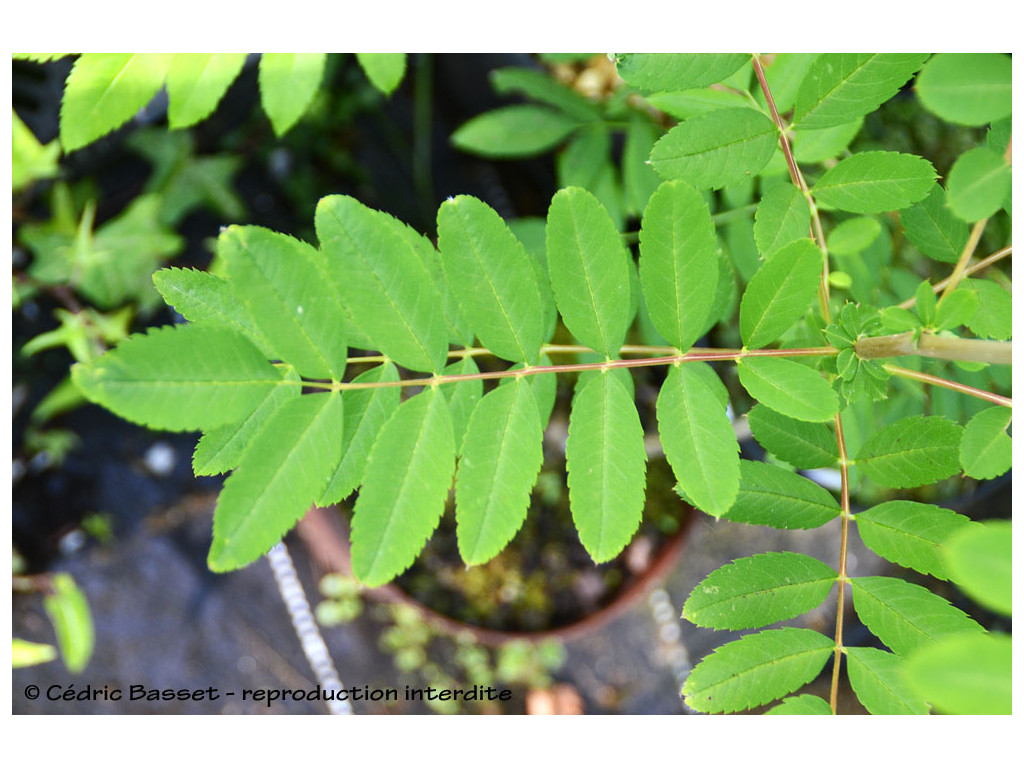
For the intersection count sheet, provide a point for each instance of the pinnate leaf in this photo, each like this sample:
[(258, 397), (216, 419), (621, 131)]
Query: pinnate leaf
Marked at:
[(965, 674), (979, 560), (717, 148), (986, 450), (492, 276), (906, 616), (756, 669), (773, 496), (993, 319), (913, 451), (396, 513), (463, 396), (590, 270), (878, 680), (698, 439), (196, 82), (875, 182), (519, 130), (979, 184), (782, 217), (803, 444), (933, 229), (501, 456), (780, 293), (789, 387), (288, 83), (180, 378), (804, 704), (967, 88), (285, 468), (678, 262), (607, 465), (677, 71), (759, 590)]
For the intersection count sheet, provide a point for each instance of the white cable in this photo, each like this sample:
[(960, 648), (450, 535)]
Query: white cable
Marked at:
[(313, 645)]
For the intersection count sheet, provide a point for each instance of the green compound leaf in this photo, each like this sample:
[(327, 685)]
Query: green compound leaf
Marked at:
[(993, 319), (590, 270), (986, 450), (493, 278), (911, 533), (717, 148), (106, 90), (678, 262), (288, 83), (677, 71), (979, 183), (841, 87), (396, 513), (196, 82), (875, 182), (384, 70), (804, 704), (223, 448), (788, 387), (383, 281), (202, 297), (913, 451), (286, 467), (776, 497), (933, 229), (756, 669), (756, 591), (877, 677), (501, 457), (538, 86), (965, 675), (284, 285), (967, 88), (180, 378), (607, 464), (366, 411), (68, 611), (698, 439), (782, 217), (520, 130), (979, 560), (780, 293), (906, 616), (804, 445)]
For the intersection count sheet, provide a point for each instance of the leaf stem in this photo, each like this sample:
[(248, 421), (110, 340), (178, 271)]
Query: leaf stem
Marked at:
[(961, 264), (844, 536), (968, 271), (938, 347), (956, 386)]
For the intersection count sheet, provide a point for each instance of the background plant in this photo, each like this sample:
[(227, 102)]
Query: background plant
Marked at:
[(772, 231)]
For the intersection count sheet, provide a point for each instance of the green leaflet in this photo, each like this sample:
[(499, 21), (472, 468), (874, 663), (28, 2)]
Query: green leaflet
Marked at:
[(283, 283), (698, 440), (519, 130), (756, 669), (396, 513), (463, 396), (804, 704), (196, 82), (773, 496), (715, 149), (965, 675), (933, 229), (590, 270), (202, 297), (853, 235), (910, 533), (841, 87), (875, 182), (993, 319), (286, 467), (979, 184), (789, 387), (782, 217), (759, 590), (906, 616), (223, 448), (979, 559), (784, 74), (492, 276), (288, 83), (967, 88), (780, 293), (878, 680), (104, 91), (68, 610), (607, 464), (531, 232), (677, 71), (913, 451), (986, 449), (538, 86), (180, 378), (33, 161), (460, 331), (383, 282), (682, 105), (366, 411), (821, 144), (803, 444), (678, 262), (639, 180), (501, 457), (384, 70)]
